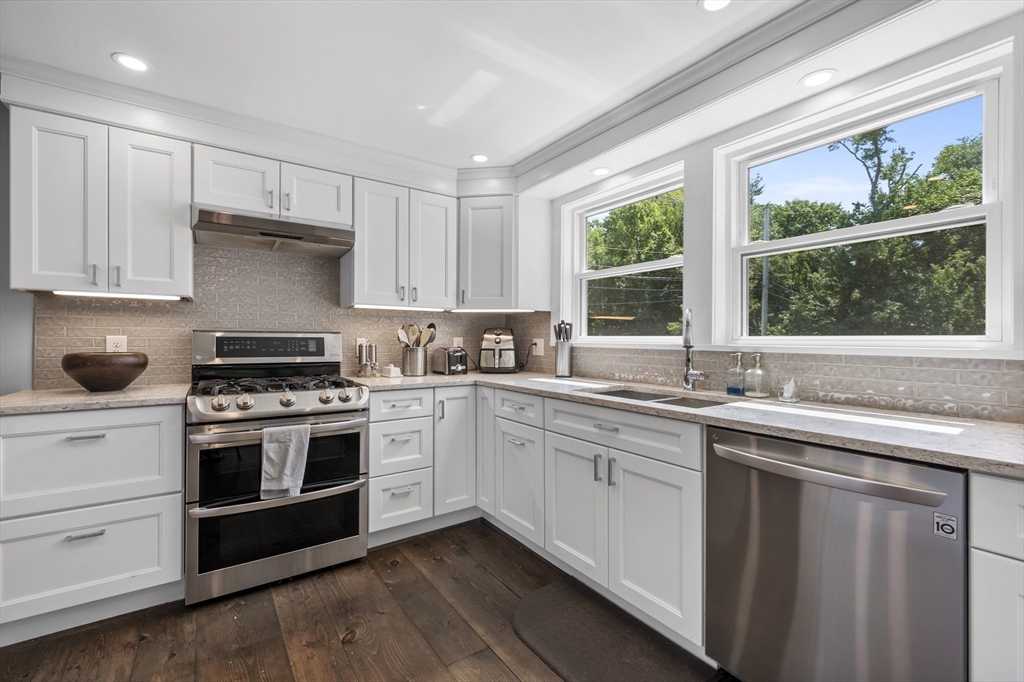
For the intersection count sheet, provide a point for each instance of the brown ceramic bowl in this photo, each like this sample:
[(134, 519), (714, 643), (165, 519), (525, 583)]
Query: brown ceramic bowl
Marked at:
[(104, 371)]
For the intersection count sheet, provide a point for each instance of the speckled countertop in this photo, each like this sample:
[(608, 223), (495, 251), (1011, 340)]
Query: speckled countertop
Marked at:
[(992, 447)]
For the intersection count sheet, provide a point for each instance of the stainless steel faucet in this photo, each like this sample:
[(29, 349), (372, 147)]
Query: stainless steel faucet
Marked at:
[(690, 375)]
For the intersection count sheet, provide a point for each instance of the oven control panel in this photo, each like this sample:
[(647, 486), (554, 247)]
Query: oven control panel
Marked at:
[(216, 348)]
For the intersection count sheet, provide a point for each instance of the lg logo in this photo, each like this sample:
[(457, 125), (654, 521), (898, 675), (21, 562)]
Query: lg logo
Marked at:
[(945, 525)]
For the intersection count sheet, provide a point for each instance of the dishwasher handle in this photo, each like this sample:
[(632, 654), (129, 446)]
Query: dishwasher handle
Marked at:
[(892, 491)]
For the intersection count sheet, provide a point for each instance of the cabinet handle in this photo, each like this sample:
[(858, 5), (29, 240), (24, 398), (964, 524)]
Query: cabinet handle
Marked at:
[(287, 201), (402, 491), (405, 437), (271, 198), (83, 536), (597, 467), (441, 405), (405, 404), (516, 442), (463, 295), (95, 274), (117, 275), (95, 436), (517, 408), (610, 429), (401, 293), (415, 296), (611, 468)]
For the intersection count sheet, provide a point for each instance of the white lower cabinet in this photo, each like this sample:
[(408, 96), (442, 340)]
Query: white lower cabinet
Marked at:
[(997, 618), (54, 561), (485, 448), (401, 498), (454, 448), (401, 445), (519, 478)]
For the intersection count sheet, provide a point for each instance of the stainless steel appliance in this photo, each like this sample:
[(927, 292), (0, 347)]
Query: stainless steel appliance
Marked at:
[(243, 382), (269, 232), (498, 351), (829, 565), (449, 361)]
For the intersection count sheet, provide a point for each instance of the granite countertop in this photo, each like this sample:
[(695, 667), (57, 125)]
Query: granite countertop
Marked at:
[(986, 446), (72, 399)]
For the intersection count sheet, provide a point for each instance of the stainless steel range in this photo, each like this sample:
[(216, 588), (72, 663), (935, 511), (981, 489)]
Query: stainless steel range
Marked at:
[(243, 382)]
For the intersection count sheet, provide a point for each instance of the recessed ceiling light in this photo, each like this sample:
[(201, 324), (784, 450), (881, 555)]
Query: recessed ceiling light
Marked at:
[(813, 80), (713, 5), (479, 158), (421, 107), (128, 61), (601, 171)]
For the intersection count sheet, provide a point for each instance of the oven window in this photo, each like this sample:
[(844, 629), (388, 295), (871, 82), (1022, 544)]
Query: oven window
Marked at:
[(233, 472), (226, 541)]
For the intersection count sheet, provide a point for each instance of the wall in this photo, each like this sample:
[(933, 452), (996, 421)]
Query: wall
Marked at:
[(234, 289), (16, 307)]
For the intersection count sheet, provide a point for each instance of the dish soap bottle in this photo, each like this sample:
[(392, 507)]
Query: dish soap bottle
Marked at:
[(734, 377), (755, 381)]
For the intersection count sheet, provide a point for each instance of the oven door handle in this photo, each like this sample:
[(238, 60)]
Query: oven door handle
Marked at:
[(257, 434), (203, 513)]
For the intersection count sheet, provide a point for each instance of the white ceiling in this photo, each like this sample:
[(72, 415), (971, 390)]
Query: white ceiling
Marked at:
[(500, 78)]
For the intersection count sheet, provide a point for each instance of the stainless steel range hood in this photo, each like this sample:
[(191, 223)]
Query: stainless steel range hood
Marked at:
[(216, 226)]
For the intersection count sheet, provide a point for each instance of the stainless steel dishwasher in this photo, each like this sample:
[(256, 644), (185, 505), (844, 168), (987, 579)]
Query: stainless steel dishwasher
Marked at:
[(829, 565)]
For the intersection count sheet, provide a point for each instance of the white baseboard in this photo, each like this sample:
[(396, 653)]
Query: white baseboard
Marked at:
[(389, 535)]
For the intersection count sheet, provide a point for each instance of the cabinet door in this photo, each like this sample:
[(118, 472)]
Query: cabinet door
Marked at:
[(433, 253), (58, 203), (997, 618), (485, 449), (454, 449), (486, 253), (379, 262), (150, 214), (232, 180), (519, 478), (576, 504), (654, 540), (314, 194)]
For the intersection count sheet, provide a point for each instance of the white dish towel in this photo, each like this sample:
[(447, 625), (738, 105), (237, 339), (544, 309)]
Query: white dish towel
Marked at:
[(284, 460)]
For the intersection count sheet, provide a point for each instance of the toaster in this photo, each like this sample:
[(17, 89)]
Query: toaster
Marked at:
[(449, 361), (498, 351)]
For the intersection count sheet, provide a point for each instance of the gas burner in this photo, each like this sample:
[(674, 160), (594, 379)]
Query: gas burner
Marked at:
[(215, 387)]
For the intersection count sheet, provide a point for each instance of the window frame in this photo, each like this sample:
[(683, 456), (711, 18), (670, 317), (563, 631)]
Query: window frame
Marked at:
[(739, 247)]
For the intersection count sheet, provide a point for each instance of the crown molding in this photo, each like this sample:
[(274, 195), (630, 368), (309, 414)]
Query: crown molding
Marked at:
[(67, 80), (486, 173)]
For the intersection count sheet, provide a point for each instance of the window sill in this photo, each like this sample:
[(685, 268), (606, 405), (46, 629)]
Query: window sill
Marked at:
[(630, 343)]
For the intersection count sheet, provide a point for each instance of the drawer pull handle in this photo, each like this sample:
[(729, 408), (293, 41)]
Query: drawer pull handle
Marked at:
[(516, 442), (83, 536), (96, 436), (602, 427), (402, 491), (517, 408), (611, 468), (597, 468), (405, 404), (405, 437)]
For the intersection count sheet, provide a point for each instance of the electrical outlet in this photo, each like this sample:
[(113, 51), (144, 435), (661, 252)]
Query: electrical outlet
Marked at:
[(457, 342), (360, 342), (538, 347), (117, 344)]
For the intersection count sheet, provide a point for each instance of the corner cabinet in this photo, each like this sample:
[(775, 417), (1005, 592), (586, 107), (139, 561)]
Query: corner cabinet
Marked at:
[(487, 276), (64, 233), (405, 250)]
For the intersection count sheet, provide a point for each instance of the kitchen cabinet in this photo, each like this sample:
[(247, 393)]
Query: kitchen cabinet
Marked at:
[(997, 617), (405, 250), (487, 262), (519, 478), (400, 498), (401, 445), (454, 448), (402, 456), (97, 209), (314, 194), (485, 448), (236, 181), (576, 504)]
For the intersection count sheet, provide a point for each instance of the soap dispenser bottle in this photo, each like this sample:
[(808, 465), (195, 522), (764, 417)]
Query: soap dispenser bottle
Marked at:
[(755, 382), (734, 378)]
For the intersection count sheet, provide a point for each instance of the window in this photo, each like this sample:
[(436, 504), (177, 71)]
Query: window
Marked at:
[(887, 230), (631, 282)]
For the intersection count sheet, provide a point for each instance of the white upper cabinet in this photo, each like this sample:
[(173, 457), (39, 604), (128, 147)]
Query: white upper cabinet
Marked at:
[(433, 250), (58, 202), (149, 233), (487, 260), (239, 181), (314, 194)]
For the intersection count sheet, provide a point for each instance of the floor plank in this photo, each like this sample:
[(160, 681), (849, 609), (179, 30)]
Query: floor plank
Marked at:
[(483, 665), (518, 568), (313, 643), (239, 638), (19, 664), (167, 646), (380, 640), (106, 653), (444, 629), (480, 598)]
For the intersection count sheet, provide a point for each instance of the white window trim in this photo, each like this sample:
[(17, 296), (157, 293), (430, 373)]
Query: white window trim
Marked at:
[(875, 109)]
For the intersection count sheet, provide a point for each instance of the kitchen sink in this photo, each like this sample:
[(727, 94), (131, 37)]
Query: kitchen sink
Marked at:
[(631, 395), (660, 398), (695, 403)]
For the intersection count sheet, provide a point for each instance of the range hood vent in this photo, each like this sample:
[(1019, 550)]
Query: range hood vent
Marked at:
[(214, 226)]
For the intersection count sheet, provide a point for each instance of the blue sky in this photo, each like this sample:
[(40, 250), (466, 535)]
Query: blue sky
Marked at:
[(821, 175)]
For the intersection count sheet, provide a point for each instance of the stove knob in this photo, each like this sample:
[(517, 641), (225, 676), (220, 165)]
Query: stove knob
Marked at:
[(287, 398), (345, 396), (326, 396), (220, 403), (245, 402)]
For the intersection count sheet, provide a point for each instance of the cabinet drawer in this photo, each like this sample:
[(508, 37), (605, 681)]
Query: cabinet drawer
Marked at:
[(62, 460), (997, 515), (401, 445), (401, 498), (519, 407), (54, 561), (997, 618), (417, 402), (667, 440)]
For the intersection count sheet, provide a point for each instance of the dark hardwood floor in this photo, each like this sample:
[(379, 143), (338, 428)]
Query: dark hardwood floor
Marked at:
[(434, 607)]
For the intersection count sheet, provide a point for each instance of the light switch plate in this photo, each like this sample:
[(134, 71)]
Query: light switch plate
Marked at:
[(360, 342), (117, 344), (538, 347), (457, 342)]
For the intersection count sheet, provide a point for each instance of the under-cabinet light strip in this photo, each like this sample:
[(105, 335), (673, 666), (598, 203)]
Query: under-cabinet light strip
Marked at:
[(97, 294)]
